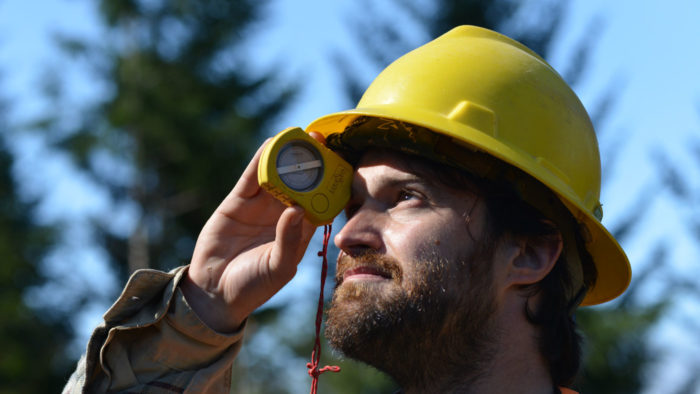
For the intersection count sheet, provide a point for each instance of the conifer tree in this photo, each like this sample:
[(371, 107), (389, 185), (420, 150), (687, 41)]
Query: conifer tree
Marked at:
[(33, 342), (182, 119)]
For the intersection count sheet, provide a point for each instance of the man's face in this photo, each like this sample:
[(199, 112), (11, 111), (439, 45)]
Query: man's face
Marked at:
[(412, 270)]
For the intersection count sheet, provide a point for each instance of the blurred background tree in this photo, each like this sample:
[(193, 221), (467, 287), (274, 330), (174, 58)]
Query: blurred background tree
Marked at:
[(182, 118), (33, 340)]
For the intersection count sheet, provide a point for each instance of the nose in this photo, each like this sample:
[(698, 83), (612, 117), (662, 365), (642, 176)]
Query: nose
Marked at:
[(362, 233)]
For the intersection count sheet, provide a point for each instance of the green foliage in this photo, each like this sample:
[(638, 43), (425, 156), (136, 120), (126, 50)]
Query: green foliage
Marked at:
[(617, 354), (181, 119), (33, 358), (182, 116), (355, 377)]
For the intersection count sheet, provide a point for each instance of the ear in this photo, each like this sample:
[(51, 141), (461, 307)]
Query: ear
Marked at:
[(534, 259)]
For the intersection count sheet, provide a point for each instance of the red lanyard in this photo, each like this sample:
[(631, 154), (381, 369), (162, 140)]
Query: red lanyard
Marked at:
[(314, 371)]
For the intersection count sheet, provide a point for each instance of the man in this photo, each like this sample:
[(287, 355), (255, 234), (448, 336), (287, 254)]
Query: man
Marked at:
[(473, 233)]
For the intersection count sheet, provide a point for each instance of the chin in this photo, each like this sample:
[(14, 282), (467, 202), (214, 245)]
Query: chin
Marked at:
[(363, 314)]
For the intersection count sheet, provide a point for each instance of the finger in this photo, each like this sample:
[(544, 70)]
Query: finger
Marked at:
[(318, 137), (293, 234)]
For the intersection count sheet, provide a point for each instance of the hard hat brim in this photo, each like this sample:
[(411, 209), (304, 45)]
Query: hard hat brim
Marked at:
[(614, 271)]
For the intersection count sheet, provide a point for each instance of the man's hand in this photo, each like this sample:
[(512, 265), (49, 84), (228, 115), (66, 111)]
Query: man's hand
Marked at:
[(246, 252)]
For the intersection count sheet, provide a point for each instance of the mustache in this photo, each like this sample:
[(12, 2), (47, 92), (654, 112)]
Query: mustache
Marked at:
[(385, 265)]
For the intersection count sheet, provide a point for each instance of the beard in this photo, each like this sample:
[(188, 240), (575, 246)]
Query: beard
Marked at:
[(418, 328)]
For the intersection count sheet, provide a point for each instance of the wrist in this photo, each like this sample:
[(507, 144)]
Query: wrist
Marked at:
[(210, 307)]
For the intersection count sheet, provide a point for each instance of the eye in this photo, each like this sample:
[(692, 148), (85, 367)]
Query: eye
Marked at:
[(407, 195), (404, 195)]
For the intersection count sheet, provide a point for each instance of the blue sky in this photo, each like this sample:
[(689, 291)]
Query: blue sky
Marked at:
[(650, 48)]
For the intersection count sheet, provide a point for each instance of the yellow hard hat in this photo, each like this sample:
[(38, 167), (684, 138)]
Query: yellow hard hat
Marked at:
[(481, 90)]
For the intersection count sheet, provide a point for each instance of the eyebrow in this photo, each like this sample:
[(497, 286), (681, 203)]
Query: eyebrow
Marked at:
[(404, 178), (421, 175)]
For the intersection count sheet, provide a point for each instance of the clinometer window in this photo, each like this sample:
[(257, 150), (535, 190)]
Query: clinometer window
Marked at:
[(300, 166)]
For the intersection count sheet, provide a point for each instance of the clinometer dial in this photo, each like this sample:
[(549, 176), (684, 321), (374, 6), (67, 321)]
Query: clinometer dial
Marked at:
[(300, 166)]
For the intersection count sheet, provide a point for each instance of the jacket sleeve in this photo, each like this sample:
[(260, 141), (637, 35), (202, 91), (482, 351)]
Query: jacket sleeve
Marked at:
[(152, 342)]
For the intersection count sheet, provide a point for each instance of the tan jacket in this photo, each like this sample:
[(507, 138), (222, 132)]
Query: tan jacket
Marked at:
[(152, 342)]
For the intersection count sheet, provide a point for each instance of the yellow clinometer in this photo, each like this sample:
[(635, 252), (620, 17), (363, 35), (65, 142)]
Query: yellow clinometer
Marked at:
[(297, 169)]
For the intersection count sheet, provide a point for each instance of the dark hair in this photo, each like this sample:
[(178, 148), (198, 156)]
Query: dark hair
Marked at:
[(559, 340), (509, 215)]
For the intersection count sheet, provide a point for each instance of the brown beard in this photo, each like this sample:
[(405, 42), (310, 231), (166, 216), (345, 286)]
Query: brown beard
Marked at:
[(413, 328)]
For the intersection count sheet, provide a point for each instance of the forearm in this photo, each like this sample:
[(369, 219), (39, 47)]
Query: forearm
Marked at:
[(151, 339)]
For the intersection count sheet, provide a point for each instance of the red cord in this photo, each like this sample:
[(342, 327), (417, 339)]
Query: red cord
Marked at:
[(314, 371)]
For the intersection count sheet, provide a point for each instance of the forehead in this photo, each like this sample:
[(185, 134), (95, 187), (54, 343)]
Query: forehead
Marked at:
[(395, 160), (397, 164)]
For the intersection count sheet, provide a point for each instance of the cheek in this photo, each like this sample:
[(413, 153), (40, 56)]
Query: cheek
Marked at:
[(450, 239), (436, 241), (411, 241)]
